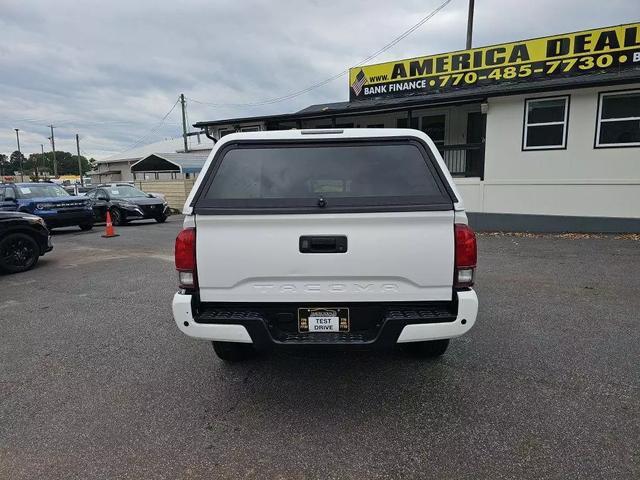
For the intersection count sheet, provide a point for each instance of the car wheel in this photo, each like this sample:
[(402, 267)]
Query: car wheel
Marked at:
[(431, 349), (86, 226), (232, 351), (18, 253), (117, 217), (161, 219)]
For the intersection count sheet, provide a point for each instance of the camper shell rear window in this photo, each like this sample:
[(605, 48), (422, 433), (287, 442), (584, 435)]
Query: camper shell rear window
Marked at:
[(323, 177)]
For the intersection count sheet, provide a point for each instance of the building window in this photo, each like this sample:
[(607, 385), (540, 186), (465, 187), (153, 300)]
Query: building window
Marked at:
[(618, 119), (225, 131), (404, 123), (545, 123), (250, 128), (435, 127)]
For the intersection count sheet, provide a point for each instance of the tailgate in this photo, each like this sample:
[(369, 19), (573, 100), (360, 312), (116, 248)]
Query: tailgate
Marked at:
[(390, 256)]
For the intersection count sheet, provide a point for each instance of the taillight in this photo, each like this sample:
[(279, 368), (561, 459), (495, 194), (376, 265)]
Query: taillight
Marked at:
[(185, 255), (466, 255)]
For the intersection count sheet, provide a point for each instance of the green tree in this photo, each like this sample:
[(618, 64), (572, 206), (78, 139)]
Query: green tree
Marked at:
[(67, 163), (3, 164), (14, 162)]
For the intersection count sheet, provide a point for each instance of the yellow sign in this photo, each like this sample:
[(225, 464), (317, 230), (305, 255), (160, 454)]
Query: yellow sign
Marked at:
[(589, 51)]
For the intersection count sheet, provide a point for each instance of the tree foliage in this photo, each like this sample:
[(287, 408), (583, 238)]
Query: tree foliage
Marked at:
[(13, 163), (4, 163), (67, 163)]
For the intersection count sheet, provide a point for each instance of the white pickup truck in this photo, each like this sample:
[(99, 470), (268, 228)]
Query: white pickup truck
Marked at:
[(354, 237)]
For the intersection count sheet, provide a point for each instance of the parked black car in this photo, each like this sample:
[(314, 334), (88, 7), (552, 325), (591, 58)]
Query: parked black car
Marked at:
[(23, 239), (126, 203)]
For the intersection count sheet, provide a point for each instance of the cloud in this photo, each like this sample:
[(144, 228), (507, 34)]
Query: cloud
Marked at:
[(111, 70)]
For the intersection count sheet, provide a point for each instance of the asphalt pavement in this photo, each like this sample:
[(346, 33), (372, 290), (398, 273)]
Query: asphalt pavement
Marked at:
[(96, 381)]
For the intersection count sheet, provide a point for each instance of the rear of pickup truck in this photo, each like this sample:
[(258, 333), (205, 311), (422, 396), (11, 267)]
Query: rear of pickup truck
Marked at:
[(354, 238)]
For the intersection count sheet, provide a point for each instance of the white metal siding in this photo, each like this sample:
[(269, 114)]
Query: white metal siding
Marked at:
[(579, 180)]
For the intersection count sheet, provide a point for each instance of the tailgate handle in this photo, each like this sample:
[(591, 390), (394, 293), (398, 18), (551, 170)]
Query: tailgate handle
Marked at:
[(323, 244)]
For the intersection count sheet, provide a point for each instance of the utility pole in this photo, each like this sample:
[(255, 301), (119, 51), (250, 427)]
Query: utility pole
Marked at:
[(470, 24), (184, 121), (79, 162), (19, 155), (53, 148)]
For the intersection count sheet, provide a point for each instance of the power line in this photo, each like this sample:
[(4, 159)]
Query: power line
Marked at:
[(405, 34), (72, 122), (151, 131), (386, 47)]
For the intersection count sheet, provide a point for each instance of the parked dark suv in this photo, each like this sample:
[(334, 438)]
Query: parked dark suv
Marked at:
[(49, 201), (23, 239)]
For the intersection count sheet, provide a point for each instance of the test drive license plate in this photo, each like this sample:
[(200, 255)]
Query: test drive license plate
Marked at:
[(325, 319)]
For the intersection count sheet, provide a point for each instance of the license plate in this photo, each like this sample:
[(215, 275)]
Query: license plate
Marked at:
[(325, 319)]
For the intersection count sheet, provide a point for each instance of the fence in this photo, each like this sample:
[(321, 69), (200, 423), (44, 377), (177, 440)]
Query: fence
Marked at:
[(175, 191), (465, 160)]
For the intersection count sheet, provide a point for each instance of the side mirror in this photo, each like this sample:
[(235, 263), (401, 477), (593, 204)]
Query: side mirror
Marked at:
[(101, 197), (9, 196)]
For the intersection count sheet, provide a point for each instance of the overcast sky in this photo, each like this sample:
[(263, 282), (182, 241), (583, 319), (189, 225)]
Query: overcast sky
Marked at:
[(110, 70)]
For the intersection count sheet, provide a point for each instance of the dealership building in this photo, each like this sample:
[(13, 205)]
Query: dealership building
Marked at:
[(541, 134)]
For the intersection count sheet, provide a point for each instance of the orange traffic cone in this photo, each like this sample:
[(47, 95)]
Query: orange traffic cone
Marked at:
[(108, 230)]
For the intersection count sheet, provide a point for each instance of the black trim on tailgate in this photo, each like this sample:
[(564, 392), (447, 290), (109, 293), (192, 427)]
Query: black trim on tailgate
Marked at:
[(444, 202), (372, 324)]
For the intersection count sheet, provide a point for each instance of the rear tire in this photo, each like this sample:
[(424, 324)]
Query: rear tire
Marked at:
[(431, 349), (86, 226), (18, 253), (232, 351)]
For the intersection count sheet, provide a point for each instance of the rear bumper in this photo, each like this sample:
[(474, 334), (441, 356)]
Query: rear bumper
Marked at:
[(400, 327)]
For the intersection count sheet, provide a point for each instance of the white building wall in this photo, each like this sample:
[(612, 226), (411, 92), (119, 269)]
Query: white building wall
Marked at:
[(123, 166), (580, 180)]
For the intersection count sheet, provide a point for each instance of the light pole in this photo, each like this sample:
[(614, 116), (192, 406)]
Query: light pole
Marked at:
[(19, 154), (53, 151), (44, 159), (470, 24), (79, 162)]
